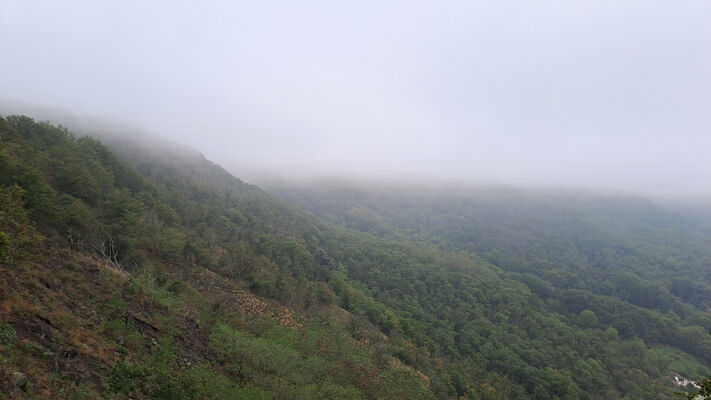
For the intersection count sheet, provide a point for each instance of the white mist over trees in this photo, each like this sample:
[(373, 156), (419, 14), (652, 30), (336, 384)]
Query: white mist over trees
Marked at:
[(603, 95)]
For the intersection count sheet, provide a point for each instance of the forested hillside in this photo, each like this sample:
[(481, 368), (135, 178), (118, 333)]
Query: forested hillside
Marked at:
[(617, 245), (117, 284), (142, 270), (610, 261)]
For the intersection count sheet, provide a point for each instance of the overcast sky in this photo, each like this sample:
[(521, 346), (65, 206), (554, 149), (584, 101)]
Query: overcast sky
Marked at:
[(606, 94)]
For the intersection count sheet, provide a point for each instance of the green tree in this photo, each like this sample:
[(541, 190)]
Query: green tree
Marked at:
[(17, 232), (588, 319)]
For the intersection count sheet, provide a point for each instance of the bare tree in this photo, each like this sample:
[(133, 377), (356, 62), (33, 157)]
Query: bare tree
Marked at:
[(106, 251)]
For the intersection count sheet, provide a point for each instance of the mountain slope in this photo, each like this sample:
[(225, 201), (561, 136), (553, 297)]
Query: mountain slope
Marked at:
[(116, 302), (573, 240), (157, 263), (621, 257)]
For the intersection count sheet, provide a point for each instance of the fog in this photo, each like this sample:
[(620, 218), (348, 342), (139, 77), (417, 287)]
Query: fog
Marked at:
[(603, 95)]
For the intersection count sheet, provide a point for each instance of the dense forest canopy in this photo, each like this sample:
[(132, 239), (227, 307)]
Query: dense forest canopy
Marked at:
[(146, 271)]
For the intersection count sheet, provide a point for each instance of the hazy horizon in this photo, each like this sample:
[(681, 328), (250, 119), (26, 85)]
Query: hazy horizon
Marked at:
[(590, 95)]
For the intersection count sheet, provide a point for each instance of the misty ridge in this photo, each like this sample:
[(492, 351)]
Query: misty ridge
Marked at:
[(312, 190), (282, 179), (478, 203), (297, 186)]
